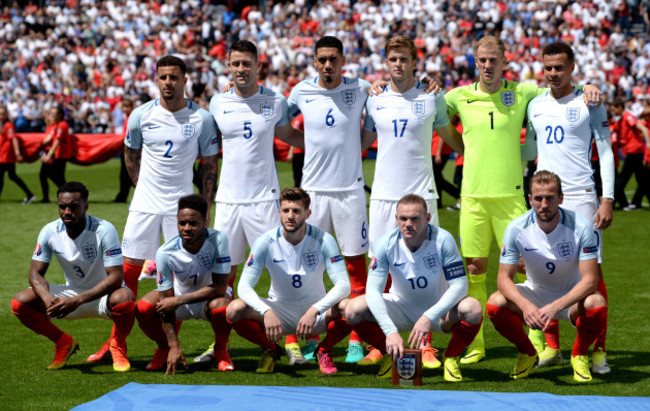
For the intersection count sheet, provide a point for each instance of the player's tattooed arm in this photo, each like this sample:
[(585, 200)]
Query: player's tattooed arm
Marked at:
[(41, 287), (211, 169), (169, 325), (132, 161)]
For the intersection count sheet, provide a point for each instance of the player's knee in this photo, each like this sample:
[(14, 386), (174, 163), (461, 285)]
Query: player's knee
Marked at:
[(355, 310), (476, 265), (595, 300), (121, 295), (144, 309), (470, 310), (218, 303), (234, 310), (497, 299), (25, 296)]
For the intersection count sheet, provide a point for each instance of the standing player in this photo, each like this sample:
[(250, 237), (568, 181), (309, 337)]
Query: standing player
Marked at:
[(248, 116), (88, 250), (404, 117), (193, 270), (296, 255), (331, 105), (564, 127), (10, 154), (170, 132), (428, 291), (560, 250), (58, 151), (492, 112)]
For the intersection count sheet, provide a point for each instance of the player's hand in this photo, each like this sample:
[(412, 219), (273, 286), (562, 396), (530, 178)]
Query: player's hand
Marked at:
[(419, 332), (307, 322), (592, 95), (432, 86), (273, 326), (175, 355), (395, 345), (547, 314), (438, 159), (46, 159), (167, 306), (63, 306), (605, 214), (377, 87), (227, 87), (532, 317), (19, 158)]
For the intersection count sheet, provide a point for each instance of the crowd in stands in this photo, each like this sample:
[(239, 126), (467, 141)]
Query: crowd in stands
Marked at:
[(89, 55)]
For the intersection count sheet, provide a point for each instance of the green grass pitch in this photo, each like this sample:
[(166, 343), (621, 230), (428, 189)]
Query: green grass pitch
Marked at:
[(27, 384)]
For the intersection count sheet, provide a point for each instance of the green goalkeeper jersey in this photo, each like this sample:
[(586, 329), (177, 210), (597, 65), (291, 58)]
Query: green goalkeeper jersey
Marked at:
[(492, 124)]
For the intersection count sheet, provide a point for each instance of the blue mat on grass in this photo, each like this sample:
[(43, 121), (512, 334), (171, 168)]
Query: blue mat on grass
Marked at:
[(161, 397)]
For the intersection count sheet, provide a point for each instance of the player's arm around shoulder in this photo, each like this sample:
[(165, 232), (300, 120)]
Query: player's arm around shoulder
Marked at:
[(283, 129)]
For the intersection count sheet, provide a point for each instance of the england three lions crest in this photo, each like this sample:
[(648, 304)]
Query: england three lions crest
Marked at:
[(418, 108), (311, 259), (431, 261), (508, 98), (406, 366), (266, 111), (565, 249), (572, 114), (89, 251), (349, 97), (188, 130)]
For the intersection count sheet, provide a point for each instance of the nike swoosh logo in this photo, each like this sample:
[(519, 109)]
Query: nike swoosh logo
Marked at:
[(309, 101), (471, 101), (530, 249), (364, 244), (153, 127), (537, 115), (275, 260), (227, 111), (357, 292), (380, 108), (399, 264)]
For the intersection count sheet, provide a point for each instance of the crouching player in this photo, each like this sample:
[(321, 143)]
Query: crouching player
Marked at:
[(560, 250), (88, 250), (428, 293), (295, 255), (193, 270)]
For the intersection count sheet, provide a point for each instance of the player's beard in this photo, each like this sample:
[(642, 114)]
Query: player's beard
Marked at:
[(545, 219)]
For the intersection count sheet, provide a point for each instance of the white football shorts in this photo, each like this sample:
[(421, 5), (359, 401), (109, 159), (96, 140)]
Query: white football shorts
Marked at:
[(141, 236)]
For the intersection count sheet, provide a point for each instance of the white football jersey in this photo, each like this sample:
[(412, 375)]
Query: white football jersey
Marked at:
[(247, 126), (419, 278), (332, 121), (552, 260), (565, 129), (404, 123), (170, 144), (187, 272), (83, 259), (296, 271)]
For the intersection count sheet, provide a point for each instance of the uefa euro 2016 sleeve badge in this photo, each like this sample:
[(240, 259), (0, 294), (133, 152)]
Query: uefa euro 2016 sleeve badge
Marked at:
[(408, 369)]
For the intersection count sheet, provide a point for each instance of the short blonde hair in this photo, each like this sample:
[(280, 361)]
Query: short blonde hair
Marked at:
[(401, 42), (490, 42)]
